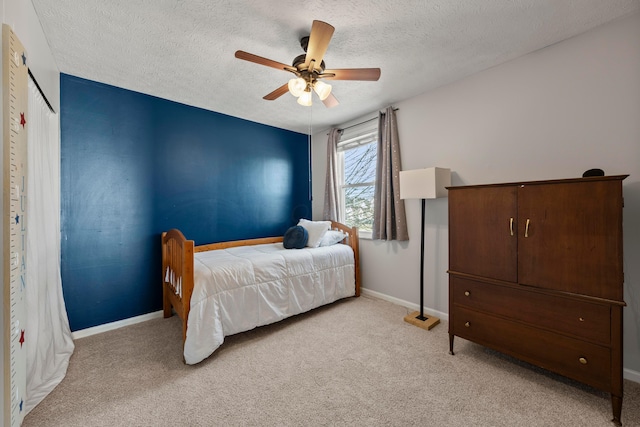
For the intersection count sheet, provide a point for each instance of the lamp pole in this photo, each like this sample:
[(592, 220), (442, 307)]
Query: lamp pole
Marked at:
[(421, 315)]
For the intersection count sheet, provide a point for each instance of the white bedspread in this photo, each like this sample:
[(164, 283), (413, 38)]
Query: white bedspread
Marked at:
[(237, 289)]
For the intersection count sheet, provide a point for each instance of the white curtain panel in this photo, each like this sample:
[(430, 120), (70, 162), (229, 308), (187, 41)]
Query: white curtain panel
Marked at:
[(47, 335)]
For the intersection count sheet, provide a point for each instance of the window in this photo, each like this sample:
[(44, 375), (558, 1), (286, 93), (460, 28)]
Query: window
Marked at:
[(357, 152)]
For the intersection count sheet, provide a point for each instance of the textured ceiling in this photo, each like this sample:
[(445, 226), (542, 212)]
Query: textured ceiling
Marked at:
[(183, 50)]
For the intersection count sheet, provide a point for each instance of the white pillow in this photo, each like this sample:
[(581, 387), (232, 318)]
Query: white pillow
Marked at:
[(332, 237), (316, 230)]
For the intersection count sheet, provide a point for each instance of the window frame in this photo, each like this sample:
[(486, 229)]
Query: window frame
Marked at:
[(353, 137)]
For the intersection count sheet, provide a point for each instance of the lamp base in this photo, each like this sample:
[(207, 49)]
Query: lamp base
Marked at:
[(428, 323)]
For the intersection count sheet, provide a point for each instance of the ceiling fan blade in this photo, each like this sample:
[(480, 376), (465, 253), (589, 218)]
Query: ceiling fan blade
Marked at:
[(277, 93), (319, 39), (264, 61), (370, 74), (330, 101)]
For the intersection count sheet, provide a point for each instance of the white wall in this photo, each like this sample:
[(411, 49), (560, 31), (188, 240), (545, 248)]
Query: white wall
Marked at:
[(551, 114), (21, 17)]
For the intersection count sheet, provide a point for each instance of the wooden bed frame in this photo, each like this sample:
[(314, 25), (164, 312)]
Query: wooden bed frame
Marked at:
[(177, 256)]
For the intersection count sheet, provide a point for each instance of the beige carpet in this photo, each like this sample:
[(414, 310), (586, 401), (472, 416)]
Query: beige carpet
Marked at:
[(354, 362)]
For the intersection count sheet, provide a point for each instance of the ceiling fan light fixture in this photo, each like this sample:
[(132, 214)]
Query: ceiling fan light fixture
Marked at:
[(322, 89), (305, 99), (297, 86), (310, 67)]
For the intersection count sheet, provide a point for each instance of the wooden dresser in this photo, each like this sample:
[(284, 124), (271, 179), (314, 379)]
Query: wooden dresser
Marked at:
[(535, 271)]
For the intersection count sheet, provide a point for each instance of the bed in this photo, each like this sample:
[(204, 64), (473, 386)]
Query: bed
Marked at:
[(220, 289)]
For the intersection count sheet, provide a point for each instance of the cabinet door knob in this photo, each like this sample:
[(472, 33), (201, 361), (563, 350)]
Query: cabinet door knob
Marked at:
[(466, 293), (581, 319), (583, 360), (467, 324)]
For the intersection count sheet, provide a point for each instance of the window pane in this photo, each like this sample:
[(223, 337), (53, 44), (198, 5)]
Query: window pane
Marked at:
[(360, 164), (359, 207)]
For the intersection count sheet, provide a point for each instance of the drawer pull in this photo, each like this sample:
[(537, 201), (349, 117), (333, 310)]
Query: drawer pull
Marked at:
[(581, 319), (526, 229), (467, 324), (511, 225), (466, 293), (583, 360)]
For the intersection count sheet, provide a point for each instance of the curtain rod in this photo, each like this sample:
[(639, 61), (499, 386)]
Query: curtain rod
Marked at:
[(40, 90), (358, 124)]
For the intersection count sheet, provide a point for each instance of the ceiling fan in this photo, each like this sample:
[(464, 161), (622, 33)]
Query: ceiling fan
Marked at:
[(310, 69)]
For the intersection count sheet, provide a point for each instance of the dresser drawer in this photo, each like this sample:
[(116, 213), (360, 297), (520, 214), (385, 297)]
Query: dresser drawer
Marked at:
[(582, 361), (582, 319)]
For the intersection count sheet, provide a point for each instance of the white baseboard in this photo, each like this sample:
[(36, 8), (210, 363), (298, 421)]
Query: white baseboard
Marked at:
[(409, 305), (630, 375), (82, 333)]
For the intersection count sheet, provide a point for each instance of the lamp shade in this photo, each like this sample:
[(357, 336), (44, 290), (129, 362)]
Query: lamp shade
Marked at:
[(322, 89), (297, 86), (426, 183), (305, 99)]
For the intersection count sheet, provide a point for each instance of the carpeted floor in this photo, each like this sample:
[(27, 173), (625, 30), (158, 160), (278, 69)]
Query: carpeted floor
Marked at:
[(353, 363)]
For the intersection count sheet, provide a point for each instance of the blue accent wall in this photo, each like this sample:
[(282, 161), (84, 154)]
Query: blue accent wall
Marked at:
[(134, 165)]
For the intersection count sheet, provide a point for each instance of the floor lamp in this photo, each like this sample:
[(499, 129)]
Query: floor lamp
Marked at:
[(423, 184)]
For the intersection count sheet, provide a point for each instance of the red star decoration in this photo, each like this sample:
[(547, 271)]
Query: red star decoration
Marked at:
[(22, 120), (21, 338)]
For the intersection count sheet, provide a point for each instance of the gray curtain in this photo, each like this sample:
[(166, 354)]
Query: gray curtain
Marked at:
[(331, 193), (389, 219)]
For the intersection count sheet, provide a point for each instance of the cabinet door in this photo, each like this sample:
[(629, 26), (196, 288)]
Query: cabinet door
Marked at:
[(573, 240), (481, 242)]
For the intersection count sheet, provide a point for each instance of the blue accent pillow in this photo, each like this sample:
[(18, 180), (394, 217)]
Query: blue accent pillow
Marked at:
[(295, 237)]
